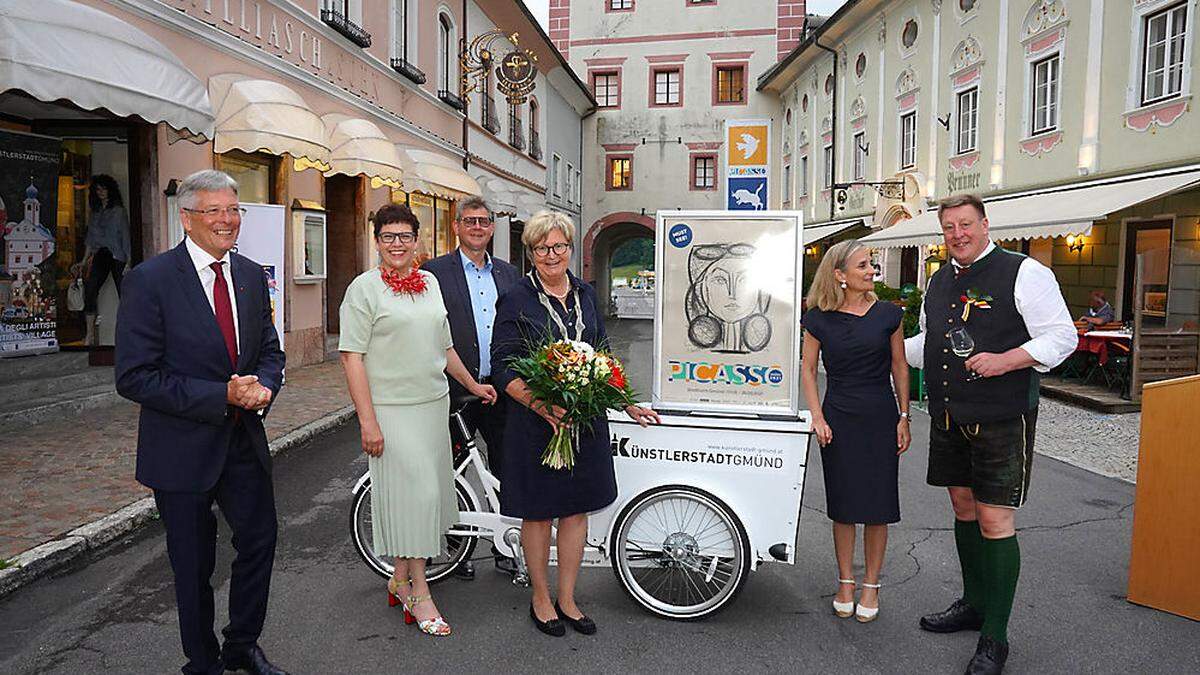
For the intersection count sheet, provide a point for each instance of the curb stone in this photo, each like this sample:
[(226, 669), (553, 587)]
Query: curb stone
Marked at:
[(42, 560)]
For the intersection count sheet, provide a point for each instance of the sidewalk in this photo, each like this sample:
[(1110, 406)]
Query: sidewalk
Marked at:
[(63, 476)]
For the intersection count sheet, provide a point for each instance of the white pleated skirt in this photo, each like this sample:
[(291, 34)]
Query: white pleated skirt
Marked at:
[(412, 483)]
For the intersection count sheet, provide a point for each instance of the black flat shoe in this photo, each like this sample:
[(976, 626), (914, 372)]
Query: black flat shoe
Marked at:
[(989, 658), (465, 571), (553, 627), (251, 660), (959, 616), (583, 624)]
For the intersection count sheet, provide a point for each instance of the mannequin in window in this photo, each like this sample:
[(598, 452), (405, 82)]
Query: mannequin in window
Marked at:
[(107, 245)]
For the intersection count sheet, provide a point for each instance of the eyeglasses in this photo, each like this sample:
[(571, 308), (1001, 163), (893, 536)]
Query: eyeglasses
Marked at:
[(542, 250), (479, 221), (231, 212), (402, 237)]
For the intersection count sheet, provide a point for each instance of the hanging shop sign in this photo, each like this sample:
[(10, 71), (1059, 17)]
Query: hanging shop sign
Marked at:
[(747, 160), (514, 75), (726, 312), (28, 275), (261, 240)]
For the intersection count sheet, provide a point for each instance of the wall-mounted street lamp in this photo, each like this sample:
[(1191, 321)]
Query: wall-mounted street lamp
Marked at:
[(1075, 244)]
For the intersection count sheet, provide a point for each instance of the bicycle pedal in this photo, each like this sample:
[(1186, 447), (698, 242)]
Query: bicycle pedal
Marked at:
[(521, 580)]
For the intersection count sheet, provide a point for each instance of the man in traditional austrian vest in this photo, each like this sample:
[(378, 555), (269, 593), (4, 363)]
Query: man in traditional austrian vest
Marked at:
[(991, 321)]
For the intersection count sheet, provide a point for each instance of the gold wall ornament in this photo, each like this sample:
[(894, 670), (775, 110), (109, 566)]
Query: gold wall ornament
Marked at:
[(514, 76)]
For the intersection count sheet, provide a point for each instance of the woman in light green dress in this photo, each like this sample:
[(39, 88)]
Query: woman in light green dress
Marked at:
[(396, 351)]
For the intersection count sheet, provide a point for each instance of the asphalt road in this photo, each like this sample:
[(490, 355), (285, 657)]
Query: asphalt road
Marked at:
[(328, 612)]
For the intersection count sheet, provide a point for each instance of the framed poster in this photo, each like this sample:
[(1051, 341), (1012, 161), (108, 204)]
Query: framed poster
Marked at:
[(261, 240), (727, 309)]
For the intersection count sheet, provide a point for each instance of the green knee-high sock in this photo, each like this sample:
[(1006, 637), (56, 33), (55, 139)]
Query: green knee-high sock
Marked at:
[(969, 541), (1001, 567)]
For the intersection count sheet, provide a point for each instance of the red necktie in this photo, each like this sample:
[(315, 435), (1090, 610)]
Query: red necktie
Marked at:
[(224, 310)]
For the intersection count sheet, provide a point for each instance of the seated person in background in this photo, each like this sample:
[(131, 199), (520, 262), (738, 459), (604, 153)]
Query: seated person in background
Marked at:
[(1100, 312)]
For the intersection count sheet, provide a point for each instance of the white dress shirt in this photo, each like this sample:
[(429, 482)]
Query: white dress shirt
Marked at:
[(201, 260), (1039, 301)]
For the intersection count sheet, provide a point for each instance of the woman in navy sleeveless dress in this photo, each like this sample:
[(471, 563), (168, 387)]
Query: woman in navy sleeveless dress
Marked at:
[(862, 424)]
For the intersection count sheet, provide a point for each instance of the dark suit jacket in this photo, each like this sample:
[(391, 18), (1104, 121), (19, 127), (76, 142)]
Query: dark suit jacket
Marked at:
[(171, 358), (448, 269)]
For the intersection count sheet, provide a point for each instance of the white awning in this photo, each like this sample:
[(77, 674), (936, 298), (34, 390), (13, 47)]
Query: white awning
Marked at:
[(253, 115), (56, 49), (438, 174), (357, 146), (1048, 213), (822, 231)]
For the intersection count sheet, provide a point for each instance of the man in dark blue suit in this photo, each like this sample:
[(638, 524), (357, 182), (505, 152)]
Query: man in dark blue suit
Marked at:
[(471, 280), (196, 347)]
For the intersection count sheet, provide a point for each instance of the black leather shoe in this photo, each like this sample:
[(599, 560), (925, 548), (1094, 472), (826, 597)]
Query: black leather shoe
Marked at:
[(989, 658), (465, 571), (583, 624), (959, 616), (252, 660), (553, 627)]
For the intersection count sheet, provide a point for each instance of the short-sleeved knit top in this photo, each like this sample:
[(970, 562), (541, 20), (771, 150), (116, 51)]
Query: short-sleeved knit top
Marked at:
[(403, 338)]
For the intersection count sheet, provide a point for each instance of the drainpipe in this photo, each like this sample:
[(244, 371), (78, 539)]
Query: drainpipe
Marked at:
[(462, 47), (833, 124)]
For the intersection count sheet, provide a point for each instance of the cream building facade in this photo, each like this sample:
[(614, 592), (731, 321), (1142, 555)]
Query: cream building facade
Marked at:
[(1074, 119)]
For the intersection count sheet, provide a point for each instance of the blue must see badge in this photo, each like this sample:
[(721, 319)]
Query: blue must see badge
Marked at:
[(680, 235)]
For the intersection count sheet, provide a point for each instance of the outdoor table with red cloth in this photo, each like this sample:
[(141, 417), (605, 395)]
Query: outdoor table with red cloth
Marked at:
[(1097, 341)]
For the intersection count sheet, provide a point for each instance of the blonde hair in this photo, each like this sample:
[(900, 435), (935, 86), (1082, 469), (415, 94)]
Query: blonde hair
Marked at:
[(826, 293), (543, 223)]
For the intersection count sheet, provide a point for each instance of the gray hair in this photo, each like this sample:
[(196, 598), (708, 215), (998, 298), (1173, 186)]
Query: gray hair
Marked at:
[(208, 180), (544, 222), (475, 203)]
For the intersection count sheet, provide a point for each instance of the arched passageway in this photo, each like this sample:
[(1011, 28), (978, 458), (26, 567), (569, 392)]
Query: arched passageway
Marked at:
[(602, 240)]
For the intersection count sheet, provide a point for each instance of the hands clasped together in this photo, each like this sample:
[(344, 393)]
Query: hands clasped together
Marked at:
[(245, 392)]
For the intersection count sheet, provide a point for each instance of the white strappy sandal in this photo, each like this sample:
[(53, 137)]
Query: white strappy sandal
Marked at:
[(867, 614), (844, 610)]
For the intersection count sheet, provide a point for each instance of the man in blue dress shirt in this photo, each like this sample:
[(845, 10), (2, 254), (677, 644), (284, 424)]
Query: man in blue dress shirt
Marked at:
[(471, 280)]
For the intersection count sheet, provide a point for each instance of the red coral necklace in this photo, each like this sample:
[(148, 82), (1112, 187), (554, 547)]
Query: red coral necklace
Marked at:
[(411, 284)]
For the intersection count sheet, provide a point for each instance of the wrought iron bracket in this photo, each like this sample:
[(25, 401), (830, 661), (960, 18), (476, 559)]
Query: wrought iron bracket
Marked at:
[(888, 189)]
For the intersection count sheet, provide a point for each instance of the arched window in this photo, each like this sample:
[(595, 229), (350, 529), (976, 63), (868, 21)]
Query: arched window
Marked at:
[(535, 142), (446, 54)]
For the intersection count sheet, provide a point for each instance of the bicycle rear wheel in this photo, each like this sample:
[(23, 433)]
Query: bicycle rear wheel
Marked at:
[(456, 550)]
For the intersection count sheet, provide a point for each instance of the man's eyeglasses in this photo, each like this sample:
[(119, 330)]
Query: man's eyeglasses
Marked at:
[(480, 221), (393, 237), (231, 212), (541, 250)]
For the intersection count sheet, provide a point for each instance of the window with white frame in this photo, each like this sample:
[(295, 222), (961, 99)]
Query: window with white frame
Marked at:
[(803, 176), (620, 4), (827, 182), (578, 189), (908, 140), (1044, 113), (400, 29), (787, 183), (555, 175), (704, 172), (569, 177), (1162, 62), (860, 156), (968, 121), (666, 87), (607, 89), (446, 52)]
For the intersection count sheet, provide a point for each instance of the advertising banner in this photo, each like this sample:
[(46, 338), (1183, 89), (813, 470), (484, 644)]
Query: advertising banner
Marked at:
[(28, 215), (747, 158), (726, 311), (261, 240)]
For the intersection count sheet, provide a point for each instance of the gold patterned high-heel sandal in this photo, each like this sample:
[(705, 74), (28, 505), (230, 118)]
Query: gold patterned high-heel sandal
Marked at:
[(436, 626), (844, 610)]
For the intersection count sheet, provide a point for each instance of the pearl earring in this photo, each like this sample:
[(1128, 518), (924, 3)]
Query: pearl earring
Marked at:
[(843, 285)]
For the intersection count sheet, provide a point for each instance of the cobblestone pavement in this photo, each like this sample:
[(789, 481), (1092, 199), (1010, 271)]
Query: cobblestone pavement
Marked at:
[(1099, 442), (64, 473)]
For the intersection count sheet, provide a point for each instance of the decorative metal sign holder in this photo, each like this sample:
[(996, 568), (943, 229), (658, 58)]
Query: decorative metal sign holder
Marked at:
[(888, 189), (514, 76)]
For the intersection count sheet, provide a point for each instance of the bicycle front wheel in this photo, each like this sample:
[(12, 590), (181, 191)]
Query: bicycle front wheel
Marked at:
[(456, 550)]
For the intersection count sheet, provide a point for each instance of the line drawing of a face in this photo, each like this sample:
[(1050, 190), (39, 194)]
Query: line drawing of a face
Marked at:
[(722, 306)]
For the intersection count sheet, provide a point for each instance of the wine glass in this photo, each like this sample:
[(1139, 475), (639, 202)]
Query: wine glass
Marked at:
[(962, 344)]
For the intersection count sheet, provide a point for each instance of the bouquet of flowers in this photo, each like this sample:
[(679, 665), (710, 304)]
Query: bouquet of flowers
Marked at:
[(583, 381)]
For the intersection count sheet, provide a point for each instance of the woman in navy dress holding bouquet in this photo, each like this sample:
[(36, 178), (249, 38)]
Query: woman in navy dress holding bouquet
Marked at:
[(552, 299)]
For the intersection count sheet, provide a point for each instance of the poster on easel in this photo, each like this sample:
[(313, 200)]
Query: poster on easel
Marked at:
[(29, 166), (727, 303), (261, 240)]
